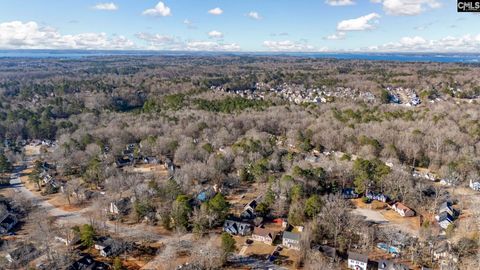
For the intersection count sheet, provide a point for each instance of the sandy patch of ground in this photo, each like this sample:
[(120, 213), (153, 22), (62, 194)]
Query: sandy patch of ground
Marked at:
[(157, 169), (377, 213), (370, 215), (31, 150), (244, 195)]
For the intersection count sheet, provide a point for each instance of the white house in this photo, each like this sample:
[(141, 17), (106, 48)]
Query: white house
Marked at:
[(357, 261), (291, 240), (474, 185), (403, 210)]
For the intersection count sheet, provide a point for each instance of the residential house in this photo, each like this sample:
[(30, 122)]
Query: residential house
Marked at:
[(237, 227), (281, 221), (349, 193), (329, 252), (68, 237), (206, 194), (391, 265), (291, 240), (403, 210), (264, 235), (447, 207), (110, 247), (357, 261), (86, 262), (474, 185), (7, 223), (169, 166), (22, 254), (444, 220), (312, 159), (150, 160), (443, 251), (377, 196), (125, 160), (129, 149), (120, 207), (446, 182), (249, 210)]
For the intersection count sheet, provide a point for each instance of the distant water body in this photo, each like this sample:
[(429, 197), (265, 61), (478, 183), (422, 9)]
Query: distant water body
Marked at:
[(402, 57)]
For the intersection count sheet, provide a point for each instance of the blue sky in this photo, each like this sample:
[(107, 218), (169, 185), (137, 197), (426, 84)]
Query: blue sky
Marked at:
[(239, 25)]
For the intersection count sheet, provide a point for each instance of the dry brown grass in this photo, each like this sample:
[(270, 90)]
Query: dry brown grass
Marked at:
[(375, 205)]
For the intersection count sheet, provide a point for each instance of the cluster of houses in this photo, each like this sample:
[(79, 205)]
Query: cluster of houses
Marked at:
[(46, 175), (34, 142), (129, 157), (248, 224), (400, 95), (358, 261), (298, 94), (426, 175), (400, 208)]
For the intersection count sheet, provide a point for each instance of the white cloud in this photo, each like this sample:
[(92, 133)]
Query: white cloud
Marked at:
[(215, 34), (159, 10), (29, 35), (105, 6), (358, 24), (211, 46), (466, 43), (289, 46), (407, 7), (339, 2), (254, 15), (336, 36), (156, 38), (189, 24), (216, 11), (161, 42)]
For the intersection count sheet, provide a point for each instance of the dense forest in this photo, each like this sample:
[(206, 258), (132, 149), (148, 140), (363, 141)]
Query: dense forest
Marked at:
[(166, 107)]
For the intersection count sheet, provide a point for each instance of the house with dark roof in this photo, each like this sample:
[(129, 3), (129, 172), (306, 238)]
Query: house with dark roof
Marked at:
[(264, 235), (110, 247), (22, 254), (7, 223), (349, 193), (249, 210), (237, 227), (447, 207), (391, 265), (328, 251), (206, 194), (86, 262), (444, 220), (357, 261), (120, 207), (150, 160), (291, 240), (124, 160)]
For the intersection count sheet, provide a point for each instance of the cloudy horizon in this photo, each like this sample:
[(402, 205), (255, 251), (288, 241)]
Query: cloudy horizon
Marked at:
[(248, 26)]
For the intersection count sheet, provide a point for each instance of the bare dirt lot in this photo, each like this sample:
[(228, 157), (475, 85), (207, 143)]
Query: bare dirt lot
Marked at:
[(377, 213)]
